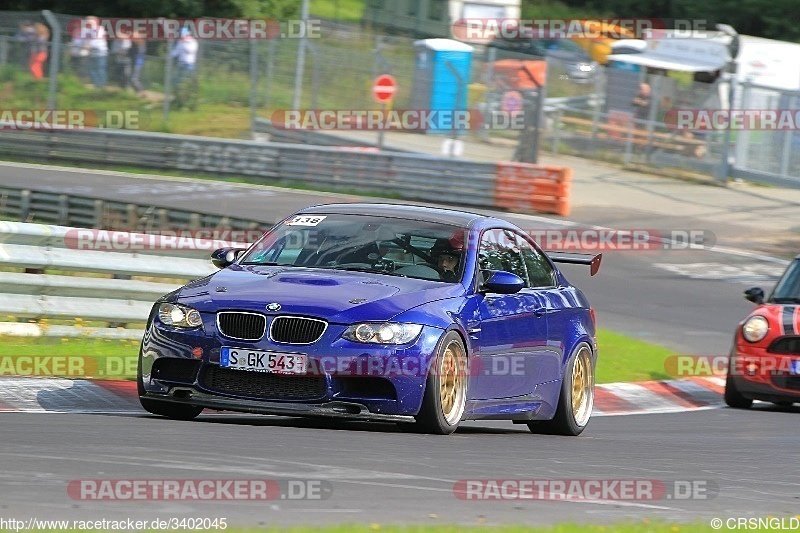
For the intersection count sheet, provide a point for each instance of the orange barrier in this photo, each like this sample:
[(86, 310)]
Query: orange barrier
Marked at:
[(519, 74), (529, 187)]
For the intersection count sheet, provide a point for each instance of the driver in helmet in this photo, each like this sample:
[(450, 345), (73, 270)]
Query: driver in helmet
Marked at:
[(447, 260)]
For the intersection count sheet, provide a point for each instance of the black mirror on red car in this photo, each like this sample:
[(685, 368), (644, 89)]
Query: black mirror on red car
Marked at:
[(755, 295)]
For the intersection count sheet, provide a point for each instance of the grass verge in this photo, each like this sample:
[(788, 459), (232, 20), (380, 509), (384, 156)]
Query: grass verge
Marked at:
[(622, 358)]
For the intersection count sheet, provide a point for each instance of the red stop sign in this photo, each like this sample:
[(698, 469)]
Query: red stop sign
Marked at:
[(384, 88)]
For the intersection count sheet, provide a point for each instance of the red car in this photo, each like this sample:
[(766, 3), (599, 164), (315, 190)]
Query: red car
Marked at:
[(765, 360)]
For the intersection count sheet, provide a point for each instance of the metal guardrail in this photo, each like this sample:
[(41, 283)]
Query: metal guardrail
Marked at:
[(316, 138), (415, 177), (36, 295), (68, 210)]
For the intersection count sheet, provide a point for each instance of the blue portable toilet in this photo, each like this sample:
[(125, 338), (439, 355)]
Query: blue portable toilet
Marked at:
[(442, 73)]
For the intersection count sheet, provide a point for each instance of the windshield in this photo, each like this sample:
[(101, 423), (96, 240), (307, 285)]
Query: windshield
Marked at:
[(383, 245), (788, 288)]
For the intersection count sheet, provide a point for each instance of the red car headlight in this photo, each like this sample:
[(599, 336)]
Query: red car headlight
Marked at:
[(755, 328)]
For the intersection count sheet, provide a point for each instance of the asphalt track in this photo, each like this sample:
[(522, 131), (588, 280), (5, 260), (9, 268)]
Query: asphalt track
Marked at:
[(378, 474)]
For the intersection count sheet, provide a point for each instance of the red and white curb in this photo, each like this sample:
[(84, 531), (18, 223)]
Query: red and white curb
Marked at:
[(672, 396), (58, 395)]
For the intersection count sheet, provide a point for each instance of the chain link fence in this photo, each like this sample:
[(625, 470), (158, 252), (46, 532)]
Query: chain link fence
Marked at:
[(768, 151), (581, 108)]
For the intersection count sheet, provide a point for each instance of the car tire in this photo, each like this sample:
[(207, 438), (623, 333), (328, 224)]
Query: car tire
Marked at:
[(576, 400), (734, 398), (175, 411), (445, 389)]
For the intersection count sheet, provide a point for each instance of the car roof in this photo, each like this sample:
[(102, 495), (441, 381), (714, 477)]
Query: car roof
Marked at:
[(415, 212)]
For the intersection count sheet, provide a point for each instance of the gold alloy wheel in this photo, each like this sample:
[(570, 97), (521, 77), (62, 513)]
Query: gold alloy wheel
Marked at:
[(452, 382), (582, 387)]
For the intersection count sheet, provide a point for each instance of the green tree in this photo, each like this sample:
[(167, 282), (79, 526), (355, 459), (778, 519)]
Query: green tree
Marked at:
[(277, 9)]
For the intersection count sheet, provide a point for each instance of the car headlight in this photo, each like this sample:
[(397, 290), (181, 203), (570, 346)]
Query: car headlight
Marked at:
[(382, 333), (755, 328), (179, 316), (584, 67)]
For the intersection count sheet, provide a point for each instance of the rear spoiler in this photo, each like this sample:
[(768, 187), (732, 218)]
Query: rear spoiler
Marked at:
[(593, 260)]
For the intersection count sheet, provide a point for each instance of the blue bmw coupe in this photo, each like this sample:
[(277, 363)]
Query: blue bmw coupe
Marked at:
[(420, 316)]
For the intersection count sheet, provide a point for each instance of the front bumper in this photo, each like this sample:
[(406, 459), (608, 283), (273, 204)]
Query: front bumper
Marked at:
[(333, 409), (369, 376), (760, 375)]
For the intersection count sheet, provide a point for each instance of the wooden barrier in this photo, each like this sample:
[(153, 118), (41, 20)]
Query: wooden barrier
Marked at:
[(683, 143), (529, 187)]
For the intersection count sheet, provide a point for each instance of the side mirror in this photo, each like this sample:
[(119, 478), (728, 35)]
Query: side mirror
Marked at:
[(755, 295), (502, 282), (225, 257)]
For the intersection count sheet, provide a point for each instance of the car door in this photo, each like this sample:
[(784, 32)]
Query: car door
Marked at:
[(512, 327), (542, 283)]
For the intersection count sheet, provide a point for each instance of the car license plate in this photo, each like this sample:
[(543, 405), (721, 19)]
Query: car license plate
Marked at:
[(794, 368), (275, 362)]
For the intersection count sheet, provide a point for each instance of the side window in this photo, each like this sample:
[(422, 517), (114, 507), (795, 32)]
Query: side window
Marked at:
[(540, 272), (499, 251)]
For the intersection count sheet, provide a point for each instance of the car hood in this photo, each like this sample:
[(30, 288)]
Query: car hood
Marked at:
[(336, 296)]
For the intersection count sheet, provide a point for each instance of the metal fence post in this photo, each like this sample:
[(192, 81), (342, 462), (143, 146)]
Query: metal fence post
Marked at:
[(557, 130), (99, 214), (491, 56), (167, 80), (742, 145), (786, 152), (253, 84), (270, 71), (301, 60), (380, 66), (55, 57), (725, 166), (314, 74), (456, 106)]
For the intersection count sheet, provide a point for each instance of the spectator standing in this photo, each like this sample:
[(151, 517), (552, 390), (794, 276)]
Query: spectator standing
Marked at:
[(185, 51), (78, 55), (121, 59), (641, 102), (25, 39), (138, 52), (94, 38), (39, 48)]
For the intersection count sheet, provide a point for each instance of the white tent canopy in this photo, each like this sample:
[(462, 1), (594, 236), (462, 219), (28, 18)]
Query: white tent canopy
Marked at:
[(681, 54)]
